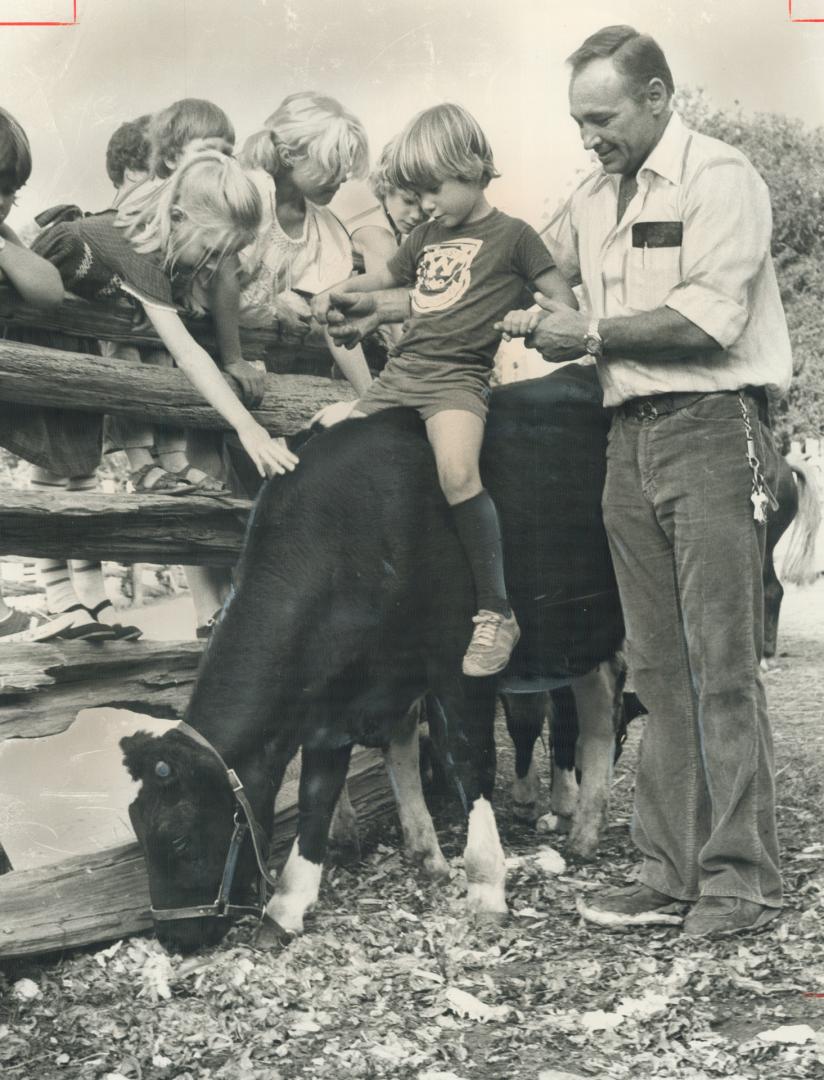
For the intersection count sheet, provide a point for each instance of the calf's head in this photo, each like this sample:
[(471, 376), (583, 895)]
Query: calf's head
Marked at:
[(183, 817)]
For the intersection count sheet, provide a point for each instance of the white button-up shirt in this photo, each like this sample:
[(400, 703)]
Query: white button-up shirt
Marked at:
[(695, 238)]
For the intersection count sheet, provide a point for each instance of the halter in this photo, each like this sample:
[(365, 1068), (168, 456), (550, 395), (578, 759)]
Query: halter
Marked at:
[(245, 824)]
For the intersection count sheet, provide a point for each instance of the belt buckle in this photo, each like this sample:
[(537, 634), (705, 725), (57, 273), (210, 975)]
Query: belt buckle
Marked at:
[(647, 411)]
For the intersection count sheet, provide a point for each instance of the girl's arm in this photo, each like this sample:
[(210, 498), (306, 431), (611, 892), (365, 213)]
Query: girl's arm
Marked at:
[(360, 283), (36, 280), (269, 456), (224, 304), (352, 363), (520, 323)]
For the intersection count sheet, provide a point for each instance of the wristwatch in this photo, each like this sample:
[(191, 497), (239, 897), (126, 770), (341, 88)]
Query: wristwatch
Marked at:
[(593, 342)]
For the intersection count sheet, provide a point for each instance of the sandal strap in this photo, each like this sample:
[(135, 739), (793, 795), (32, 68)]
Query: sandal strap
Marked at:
[(165, 483)]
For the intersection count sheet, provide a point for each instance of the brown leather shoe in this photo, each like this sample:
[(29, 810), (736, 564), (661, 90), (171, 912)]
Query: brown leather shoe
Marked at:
[(635, 905), (722, 916)]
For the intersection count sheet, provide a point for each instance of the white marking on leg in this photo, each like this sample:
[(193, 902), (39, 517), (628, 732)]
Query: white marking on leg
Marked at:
[(297, 890), (402, 758), (564, 798), (525, 793), (484, 861), (595, 702)]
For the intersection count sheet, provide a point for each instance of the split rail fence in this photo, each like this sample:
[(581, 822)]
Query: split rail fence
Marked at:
[(44, 686)]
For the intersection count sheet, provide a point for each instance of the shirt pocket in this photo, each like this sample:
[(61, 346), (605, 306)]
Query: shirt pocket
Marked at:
[(654, 263)]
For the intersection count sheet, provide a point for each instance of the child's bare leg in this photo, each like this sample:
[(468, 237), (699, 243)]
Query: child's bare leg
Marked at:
[(456, 436)]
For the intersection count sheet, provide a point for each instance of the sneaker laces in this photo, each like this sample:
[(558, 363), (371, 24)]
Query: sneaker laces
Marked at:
[(486, 627)]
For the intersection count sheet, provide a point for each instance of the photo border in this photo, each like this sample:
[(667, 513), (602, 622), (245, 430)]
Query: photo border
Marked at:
[(795, 20), (43, 22)]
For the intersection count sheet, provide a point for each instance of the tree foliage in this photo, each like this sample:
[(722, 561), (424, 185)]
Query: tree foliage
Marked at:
[(790, 157)]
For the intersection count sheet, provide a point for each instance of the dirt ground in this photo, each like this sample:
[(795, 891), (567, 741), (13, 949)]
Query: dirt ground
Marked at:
[(391, 980)]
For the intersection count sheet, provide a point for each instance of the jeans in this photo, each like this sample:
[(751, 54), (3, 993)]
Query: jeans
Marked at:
[(688, 559)]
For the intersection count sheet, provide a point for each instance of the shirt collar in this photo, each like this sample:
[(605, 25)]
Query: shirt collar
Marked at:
[(666, 158)]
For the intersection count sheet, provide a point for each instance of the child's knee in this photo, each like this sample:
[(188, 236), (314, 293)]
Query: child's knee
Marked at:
[(459, 483)]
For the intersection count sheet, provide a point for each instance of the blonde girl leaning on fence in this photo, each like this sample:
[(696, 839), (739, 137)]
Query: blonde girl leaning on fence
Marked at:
[(205, 211), (306, 149)]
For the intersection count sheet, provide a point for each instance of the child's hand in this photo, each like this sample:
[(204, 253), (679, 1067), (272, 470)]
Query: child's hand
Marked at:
[(247, 382), (271, 457), (292, 326), (332, 414), (518, 324), (320, 305), (352, 317)]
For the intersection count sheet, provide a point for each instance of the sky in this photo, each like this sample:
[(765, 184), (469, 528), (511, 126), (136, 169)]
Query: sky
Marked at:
[(71, 86)]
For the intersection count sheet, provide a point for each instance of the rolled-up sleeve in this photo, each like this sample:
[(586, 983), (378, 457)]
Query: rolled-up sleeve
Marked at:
[(561, 238), (727, 228)]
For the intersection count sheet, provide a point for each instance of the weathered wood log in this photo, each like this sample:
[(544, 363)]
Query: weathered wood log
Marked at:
[(35, 375), (116, 321), (190, 529), (43, 687), (104, 896)]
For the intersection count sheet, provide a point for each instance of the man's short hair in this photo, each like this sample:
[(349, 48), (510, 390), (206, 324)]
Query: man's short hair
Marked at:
[(637, 56)]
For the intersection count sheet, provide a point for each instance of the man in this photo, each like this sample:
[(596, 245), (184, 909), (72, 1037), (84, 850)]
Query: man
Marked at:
[(670, 240)]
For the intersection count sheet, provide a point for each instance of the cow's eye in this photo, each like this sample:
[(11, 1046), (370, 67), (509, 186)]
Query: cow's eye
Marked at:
[(163, 770)]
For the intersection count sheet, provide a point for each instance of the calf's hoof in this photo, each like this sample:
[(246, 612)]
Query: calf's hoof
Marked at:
[(435, 867), (486, 899), (553, 823), (583, 844), (271, 935), (526, 812)]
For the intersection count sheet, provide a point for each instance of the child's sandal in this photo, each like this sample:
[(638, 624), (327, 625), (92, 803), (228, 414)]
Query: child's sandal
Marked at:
[(121, 632), (152, 479), (205, 485)]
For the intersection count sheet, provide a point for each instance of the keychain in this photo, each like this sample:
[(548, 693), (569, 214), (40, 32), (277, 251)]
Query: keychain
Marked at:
[(761, 496)]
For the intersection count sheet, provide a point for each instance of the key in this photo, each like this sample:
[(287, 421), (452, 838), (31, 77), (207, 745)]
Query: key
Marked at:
[(759, 502)]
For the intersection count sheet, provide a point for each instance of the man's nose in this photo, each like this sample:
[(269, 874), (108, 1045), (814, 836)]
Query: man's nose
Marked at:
[(589, 137)]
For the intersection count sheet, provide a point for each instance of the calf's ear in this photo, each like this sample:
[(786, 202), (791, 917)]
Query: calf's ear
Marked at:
[(139, 753)]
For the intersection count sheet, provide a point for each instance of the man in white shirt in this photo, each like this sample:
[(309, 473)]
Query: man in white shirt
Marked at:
[(670, 240)]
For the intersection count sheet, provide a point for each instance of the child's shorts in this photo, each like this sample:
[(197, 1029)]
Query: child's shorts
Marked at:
[(430, 386)]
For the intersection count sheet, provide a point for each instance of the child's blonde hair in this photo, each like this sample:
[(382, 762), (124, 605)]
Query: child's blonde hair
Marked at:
[(214, 196), (190, 120), (379, 180), (442, 143), (15, 152), (315, 125)]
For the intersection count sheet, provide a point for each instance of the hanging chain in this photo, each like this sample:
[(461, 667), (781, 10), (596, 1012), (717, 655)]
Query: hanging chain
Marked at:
[(761, 496)]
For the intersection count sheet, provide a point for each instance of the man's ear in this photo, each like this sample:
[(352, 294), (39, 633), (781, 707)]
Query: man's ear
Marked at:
[(657, 95)]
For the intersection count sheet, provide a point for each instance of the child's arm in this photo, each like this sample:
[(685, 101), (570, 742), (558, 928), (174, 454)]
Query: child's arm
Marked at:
[(224, 304), (268, 455), (352, 363), (36, 280), (521, 323), (360, 283)]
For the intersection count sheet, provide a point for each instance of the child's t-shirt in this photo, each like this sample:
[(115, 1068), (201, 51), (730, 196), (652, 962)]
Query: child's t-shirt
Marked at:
[(96, 260), (466, 279)]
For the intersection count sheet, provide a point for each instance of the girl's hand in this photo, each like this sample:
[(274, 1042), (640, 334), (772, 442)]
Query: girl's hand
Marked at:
[(517, 324), (292, 326), (332, 414), (248, 382), (271, 457)]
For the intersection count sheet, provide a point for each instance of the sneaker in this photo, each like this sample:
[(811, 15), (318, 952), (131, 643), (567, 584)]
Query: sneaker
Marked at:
[(16, 626), (722, 916), (494, 638), (635, 905), (74, 624)]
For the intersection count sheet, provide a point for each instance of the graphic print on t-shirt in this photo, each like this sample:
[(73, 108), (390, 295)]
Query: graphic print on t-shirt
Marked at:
[(443, 274)]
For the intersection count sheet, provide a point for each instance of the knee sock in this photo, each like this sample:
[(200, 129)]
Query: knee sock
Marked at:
[(53, 573), (476, 521)]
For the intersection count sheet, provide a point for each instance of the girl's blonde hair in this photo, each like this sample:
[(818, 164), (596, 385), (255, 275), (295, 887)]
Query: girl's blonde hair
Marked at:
[(316, 126), (442, 143), (213, 195), (188, 121)]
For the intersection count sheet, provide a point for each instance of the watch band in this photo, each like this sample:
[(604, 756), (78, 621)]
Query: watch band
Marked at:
[(593, 342)]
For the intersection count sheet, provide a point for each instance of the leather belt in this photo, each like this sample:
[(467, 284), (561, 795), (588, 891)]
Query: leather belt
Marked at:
[(655, 405)]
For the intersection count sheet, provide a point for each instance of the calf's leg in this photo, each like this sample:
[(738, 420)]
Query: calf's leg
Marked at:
[(344, 841), (403, 766), (524, 721), (597, 697), (323, 773)]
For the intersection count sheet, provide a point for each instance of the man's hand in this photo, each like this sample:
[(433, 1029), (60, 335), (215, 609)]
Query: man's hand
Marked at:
[(559, 335), (351, 317), (247, 382)]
